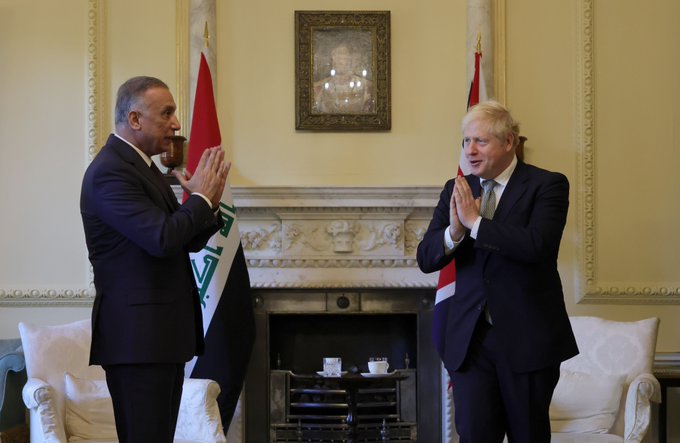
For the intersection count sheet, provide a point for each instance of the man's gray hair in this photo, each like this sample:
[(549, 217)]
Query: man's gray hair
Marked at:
[(129, 93)]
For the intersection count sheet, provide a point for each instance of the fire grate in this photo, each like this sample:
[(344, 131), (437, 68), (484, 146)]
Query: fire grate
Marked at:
[(347, 409), (322, 433)]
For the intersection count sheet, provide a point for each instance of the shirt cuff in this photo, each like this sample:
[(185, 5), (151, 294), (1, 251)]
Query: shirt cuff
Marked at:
[(450, 244), (207, 200), (475, 227)]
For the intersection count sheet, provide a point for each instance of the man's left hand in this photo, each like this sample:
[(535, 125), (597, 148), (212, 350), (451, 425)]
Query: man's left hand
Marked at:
[(467, 206)]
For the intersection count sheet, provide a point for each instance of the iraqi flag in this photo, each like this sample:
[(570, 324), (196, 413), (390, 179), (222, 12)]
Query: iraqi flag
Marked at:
[(221, 273), (446, 285)]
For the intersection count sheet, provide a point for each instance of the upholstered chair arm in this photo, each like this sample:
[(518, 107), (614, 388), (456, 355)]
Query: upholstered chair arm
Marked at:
[(39, 398), (11, 361), (643, 390), (199, 416)]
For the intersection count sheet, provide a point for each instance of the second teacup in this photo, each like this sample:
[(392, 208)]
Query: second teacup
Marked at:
[(378, 365)]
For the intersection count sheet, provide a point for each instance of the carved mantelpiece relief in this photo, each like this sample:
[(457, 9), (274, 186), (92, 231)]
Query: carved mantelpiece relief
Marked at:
[(320, 237), (334, 237)]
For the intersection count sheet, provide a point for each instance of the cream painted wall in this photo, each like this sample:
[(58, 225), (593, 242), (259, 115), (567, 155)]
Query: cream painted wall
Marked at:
[(43, 134), (637, 144), (141, 41), (43, 48), (255, 76)]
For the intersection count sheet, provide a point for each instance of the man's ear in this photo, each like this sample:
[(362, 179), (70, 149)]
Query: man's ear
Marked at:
[(133, 120), (510, 141)]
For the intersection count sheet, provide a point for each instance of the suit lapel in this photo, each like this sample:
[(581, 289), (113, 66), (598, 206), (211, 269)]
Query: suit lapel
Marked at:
[(514, 190), (163, 186), (128, 154)]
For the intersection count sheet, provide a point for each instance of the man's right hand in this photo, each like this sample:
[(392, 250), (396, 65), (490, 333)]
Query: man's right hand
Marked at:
[(209, 178), (456, 228)]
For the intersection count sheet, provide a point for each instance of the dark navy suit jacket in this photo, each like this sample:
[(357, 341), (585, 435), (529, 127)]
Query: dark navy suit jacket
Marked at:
[(146, 308), (512, 267)]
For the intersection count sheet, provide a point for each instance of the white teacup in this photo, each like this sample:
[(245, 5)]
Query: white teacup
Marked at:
[(378, 365)]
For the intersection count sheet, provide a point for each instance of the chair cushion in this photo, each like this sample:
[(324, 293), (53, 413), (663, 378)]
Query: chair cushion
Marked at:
[(585, 403), (613, 347), (51, 351), (89, 411)]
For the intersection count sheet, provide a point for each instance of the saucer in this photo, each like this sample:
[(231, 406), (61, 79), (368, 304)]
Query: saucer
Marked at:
[(370, 374), (323, 374)]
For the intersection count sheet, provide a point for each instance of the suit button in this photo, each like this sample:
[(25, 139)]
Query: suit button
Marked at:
[(479, 307)]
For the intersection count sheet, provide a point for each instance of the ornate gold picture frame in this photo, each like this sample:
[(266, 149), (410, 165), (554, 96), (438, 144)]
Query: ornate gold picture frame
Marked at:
[(342, 70)]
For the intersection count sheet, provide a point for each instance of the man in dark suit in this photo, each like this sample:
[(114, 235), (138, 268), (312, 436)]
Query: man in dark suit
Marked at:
[(146, 318), (507, 329)]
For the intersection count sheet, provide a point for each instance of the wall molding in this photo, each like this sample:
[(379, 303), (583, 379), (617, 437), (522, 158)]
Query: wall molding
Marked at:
[(499, 61), (590, 289), (97, 118), (98, 113), (182, 94)]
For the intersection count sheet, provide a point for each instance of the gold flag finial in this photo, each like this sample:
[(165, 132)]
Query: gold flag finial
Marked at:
[(478, 49), (206, 35)]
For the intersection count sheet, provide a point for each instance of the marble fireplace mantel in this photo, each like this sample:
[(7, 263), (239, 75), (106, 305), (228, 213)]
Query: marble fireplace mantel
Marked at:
[(334, 237)]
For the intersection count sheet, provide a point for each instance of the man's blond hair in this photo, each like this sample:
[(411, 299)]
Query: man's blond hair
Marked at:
[(496, 117)]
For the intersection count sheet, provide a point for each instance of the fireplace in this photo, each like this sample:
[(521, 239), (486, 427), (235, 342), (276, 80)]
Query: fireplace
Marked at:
[(296, 329), (334, 274)]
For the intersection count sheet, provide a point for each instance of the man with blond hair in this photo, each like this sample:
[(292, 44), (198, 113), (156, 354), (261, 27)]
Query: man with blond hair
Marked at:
[(506, 329)]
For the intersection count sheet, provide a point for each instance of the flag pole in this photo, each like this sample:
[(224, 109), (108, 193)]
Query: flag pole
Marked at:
[(206, 36), (478, 48)]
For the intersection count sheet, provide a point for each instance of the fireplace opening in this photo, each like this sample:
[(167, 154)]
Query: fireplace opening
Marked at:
[(285, 399), (298, 342)]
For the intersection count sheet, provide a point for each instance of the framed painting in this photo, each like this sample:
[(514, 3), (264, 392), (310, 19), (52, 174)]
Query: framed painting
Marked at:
[(342, 70)]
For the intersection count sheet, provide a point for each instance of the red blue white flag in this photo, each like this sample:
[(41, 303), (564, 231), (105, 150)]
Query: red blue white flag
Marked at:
[(446, 285)]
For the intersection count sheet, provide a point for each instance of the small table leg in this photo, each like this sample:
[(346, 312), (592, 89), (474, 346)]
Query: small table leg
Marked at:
[(351, 414), (662, 412)]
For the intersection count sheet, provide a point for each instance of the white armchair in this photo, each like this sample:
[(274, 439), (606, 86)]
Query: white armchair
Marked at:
[(605, 393), (68, 400)]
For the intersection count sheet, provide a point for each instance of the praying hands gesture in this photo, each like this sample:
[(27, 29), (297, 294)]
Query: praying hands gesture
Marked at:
[(463, 209), (209, 177)]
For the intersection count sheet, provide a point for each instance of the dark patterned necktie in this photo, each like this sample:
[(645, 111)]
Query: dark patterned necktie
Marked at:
[(488, 205)]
